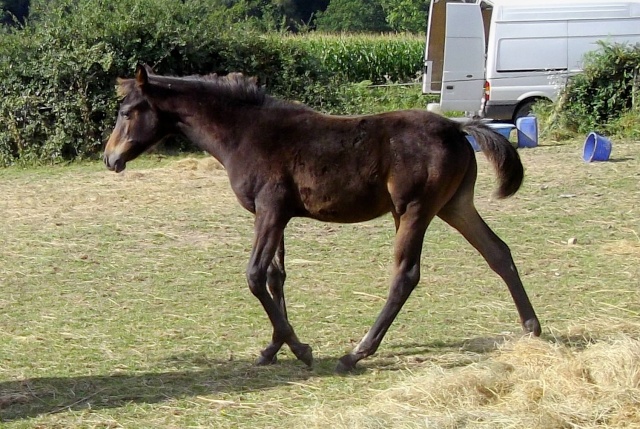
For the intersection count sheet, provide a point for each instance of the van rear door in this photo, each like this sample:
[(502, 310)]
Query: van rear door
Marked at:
[(463, 73)]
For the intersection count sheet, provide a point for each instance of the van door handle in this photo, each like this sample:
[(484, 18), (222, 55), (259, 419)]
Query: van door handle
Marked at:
[(449, 86), (469, 76)]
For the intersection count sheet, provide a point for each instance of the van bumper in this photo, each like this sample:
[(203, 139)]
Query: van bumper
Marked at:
[(499, 109)]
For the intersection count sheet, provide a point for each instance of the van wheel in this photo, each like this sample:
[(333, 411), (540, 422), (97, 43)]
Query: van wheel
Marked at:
[(523, 110)]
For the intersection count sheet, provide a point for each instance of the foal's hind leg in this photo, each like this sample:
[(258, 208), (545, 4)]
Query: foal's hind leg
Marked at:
[(276, 276), (461, 214), (410, 230)]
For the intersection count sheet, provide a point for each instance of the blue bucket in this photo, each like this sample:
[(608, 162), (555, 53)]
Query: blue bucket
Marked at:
[(596, 148), (474, 143), (527, 127), (504, 129)]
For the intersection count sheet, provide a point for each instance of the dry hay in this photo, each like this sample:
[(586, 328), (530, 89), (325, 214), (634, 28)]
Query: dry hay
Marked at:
[(622, 248), (574, 381), (199, 164)]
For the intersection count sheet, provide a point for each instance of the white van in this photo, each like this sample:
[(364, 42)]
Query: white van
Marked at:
[(498, 57)]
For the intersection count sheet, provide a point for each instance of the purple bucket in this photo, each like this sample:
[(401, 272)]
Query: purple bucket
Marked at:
[(596, 148)]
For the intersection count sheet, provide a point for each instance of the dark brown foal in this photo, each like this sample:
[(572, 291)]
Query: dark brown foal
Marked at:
[(285, 160)]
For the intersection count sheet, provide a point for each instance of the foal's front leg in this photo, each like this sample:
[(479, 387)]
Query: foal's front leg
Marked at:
[(268, 237), (276, 275)]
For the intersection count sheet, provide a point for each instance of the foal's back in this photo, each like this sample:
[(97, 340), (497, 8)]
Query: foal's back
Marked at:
[(356, 168)]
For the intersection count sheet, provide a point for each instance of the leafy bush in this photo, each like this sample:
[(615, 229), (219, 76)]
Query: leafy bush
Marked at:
[(598, 98)]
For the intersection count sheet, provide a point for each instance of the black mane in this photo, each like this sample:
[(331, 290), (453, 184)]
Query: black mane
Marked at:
[(232, 88)]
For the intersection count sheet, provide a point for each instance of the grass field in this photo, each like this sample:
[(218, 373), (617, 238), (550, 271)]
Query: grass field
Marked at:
[(123, 303)]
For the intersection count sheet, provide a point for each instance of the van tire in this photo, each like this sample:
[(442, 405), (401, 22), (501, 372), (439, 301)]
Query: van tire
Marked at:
[(524, 109)]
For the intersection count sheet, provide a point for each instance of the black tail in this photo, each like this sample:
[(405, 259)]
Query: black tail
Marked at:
[(501, 153)]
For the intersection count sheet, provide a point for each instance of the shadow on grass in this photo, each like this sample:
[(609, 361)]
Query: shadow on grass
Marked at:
[(466, 352), (445, 354), (478, 345), (623, 159), (23, 399)]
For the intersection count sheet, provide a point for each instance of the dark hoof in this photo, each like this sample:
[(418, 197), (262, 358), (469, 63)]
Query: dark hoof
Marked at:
[(346, 365), (532, 326), (304, 353), (264, 360)]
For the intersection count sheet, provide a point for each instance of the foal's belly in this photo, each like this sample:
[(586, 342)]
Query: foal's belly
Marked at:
[(345, 202)]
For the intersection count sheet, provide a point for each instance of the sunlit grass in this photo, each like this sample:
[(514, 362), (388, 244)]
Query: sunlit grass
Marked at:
[(123, 301)]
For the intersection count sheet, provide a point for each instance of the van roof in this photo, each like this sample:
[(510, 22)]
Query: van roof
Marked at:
[(561, 9), (546, 3)]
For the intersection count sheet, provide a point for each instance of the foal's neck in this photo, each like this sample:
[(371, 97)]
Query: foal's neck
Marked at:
[(213, 116), (211, 127)]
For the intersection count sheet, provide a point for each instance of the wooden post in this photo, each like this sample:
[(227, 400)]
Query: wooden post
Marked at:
[(635, 90)]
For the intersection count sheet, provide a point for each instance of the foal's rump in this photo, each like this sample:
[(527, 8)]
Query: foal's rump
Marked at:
[(356, 168), (431, 154)]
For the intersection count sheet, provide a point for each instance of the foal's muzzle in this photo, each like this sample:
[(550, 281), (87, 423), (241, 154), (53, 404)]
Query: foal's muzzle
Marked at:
[(116, 164)]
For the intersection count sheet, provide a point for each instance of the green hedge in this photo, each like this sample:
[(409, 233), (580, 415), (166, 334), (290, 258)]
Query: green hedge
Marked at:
[(58, 72)]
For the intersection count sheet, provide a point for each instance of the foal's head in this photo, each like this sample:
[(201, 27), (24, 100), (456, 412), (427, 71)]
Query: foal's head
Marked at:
[(138, 126)]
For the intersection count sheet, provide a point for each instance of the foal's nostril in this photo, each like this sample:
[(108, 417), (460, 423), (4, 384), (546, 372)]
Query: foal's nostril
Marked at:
[(118, 165), (105, 158), (112, 165)]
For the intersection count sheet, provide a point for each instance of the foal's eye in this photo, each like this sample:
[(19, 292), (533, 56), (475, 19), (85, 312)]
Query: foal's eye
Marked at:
[(125, 114)]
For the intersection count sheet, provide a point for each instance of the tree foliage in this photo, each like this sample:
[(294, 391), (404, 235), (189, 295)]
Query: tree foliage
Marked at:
[(291, 15), (352, 15), (13, 11), (406, 15)]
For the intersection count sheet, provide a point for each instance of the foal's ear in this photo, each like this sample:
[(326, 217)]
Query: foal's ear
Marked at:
[(142, 76)]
